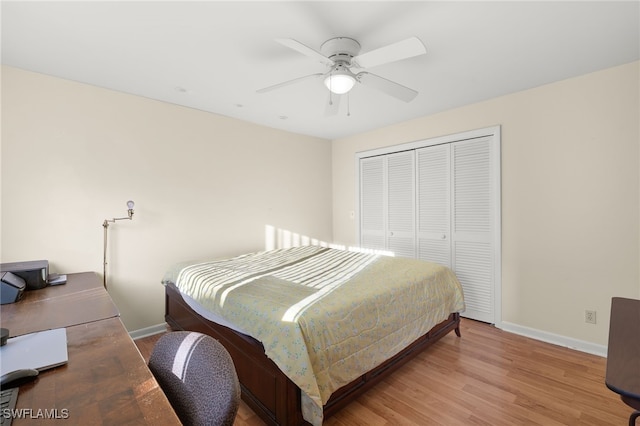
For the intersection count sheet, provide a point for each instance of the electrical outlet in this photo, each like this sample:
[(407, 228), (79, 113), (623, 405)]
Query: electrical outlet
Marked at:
[(590, 317)]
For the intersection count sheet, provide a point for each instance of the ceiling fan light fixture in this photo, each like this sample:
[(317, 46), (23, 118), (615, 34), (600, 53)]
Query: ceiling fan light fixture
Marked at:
[(339, 83)]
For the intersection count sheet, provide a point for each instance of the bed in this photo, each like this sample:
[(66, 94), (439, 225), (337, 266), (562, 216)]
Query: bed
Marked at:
[(311, 328)]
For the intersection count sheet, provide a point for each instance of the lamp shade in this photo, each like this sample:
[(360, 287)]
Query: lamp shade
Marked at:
[(339, 83)]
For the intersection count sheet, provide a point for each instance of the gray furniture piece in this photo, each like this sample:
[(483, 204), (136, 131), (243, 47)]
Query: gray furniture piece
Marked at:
[(198, 376)]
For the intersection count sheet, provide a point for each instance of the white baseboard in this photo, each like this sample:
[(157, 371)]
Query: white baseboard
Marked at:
[(556, 339), (149, 331)]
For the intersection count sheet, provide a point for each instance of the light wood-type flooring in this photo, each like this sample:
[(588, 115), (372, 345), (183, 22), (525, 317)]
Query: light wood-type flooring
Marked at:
[(485, 377)]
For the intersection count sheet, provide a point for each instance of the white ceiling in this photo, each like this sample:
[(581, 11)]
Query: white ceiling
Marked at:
[(214, 55)]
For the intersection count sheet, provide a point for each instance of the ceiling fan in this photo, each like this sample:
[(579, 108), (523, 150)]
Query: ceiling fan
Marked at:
[(342, 57)]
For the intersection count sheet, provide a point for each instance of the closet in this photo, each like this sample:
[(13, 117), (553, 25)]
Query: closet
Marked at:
[(438, 200)]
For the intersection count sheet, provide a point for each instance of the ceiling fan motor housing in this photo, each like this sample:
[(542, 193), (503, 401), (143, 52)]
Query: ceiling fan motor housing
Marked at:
[(340, 49)]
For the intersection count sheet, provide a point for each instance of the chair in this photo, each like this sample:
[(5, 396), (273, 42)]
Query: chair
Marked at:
[(198, 377)]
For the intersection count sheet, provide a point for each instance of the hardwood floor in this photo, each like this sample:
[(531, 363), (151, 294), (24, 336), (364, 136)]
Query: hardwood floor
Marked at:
[(486, 377)]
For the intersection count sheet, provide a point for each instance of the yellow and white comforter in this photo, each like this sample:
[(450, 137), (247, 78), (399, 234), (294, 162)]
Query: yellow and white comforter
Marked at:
[(324, 316)]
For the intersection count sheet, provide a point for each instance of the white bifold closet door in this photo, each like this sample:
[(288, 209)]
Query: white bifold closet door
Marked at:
[(372, 203), (437, 203), (434, 204), (387, 203), (455, 217), (472, 225), (400, 192)]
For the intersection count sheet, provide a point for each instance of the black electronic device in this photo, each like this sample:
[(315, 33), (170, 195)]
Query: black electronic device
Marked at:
[(18, 377), (12, 287), (34, 273)]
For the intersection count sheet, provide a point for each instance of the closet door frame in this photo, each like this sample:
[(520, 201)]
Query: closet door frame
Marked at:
[(495, 134)]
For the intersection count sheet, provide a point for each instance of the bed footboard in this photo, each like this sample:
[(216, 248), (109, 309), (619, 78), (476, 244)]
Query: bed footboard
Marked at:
[(265, 389)]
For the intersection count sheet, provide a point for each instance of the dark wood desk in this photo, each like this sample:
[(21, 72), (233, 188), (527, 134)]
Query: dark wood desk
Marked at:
[(81, 300), (623, 353), (106, 381)]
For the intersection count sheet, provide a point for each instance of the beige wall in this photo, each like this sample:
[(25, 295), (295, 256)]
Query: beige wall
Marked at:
[(204, 185), (570, 195)]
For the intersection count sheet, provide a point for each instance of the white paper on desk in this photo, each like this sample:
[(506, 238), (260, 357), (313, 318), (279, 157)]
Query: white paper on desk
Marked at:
[(40, 350)]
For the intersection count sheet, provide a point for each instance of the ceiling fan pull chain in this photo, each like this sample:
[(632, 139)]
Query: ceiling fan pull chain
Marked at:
[(330, 97), (348, 105)]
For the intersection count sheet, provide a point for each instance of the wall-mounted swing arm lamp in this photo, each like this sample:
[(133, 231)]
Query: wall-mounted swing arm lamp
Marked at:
[(105, 225)]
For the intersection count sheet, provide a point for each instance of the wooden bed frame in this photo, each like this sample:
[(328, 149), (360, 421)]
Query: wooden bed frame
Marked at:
[(271, 394)]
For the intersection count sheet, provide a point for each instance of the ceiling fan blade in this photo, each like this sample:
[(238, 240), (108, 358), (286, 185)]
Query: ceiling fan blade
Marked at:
[(305, 50), (387, 86), (333, 105), (394, 52), (286, 83)]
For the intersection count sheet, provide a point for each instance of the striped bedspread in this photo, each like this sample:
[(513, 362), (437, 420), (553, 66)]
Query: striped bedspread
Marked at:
[(324, 316)]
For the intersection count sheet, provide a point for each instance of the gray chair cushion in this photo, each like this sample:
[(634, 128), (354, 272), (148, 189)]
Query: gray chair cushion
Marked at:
[(198, 377)]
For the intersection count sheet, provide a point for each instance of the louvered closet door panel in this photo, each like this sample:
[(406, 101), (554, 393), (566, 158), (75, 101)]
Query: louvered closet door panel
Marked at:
[(372, 203), (473, 262), (401, 203), (472, 226), (433, 204)]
